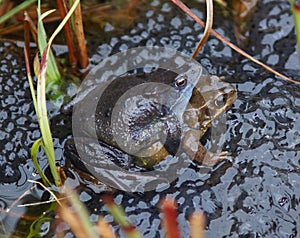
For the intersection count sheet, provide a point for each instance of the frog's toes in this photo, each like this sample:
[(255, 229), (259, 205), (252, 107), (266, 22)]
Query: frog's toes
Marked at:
[(211, 159)]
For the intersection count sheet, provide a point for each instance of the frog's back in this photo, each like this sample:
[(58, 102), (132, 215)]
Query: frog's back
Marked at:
[(115, 90)]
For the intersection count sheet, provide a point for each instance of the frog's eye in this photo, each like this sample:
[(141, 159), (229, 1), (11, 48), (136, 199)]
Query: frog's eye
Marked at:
[(181, 82), (220, 101)]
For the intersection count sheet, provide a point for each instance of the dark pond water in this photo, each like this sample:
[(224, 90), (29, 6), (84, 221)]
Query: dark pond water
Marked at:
[(257, 195)]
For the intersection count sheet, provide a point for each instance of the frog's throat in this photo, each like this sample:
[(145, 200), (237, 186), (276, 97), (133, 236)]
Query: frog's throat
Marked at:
[(181, 103)]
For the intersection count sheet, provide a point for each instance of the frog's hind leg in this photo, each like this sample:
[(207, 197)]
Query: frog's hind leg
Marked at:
[(197, 152)]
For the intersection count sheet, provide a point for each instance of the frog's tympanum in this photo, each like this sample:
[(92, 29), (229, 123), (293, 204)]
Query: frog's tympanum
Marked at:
[(193, 104)]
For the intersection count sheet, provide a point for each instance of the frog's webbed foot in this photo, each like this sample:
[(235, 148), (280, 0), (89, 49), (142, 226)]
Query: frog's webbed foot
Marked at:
[(208, 158), (198, 153), (211, 159)]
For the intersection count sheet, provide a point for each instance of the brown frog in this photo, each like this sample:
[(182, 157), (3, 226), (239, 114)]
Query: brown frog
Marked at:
[(204, 100), (211, 97)]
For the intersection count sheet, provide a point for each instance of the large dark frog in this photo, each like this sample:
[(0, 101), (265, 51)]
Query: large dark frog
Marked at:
[(171, 107)]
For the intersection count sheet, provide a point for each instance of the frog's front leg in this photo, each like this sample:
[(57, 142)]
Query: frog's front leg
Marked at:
[(197, 152)]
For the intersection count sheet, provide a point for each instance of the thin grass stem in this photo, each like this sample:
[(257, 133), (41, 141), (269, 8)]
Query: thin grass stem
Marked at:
[(15, 10)]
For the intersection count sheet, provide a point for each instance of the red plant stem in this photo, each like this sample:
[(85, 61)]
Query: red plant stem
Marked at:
[(32, 27), (297, 5), (27, 38), (170, 223), (62, 8), (79, 39), (231, 45)]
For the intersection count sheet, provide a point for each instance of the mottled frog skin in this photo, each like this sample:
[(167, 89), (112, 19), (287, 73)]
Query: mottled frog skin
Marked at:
[(215, 98), (195, 104)]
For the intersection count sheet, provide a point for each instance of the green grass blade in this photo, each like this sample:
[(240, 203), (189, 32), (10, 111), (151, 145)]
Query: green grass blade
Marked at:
[(35, 228), (43, 120), (41, 99), (15, 10), (34, 151), (45, 14), (53, 74)]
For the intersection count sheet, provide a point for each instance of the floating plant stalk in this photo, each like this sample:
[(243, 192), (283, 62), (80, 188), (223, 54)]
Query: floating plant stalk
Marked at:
[(207, 29), (188, 11)]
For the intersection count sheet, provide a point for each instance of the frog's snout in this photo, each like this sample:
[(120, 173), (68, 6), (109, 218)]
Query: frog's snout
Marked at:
[(230, 95)]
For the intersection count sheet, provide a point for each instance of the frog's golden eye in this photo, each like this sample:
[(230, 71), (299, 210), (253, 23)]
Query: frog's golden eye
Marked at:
[(181, 82), (220, 101)]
